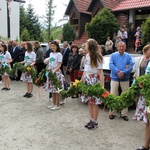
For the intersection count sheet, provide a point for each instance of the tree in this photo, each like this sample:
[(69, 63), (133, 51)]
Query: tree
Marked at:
[(33, 24), (25, 35), (145, 32), (102, 25), (23, 19), (49, 17), (68, 32)]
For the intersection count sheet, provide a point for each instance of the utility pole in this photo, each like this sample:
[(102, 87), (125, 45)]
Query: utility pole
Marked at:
[(8, 14)]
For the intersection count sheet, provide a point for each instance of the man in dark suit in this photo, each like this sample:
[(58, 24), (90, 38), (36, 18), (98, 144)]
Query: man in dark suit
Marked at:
[(14, 53), (65, 53), (49, 50)]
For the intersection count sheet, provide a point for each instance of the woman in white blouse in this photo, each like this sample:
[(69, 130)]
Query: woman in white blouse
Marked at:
[(93, 73), (5, 59)]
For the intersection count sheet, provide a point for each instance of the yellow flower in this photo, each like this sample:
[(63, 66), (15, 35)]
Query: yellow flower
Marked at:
[(59, 90), (28, 68), (76, 83)]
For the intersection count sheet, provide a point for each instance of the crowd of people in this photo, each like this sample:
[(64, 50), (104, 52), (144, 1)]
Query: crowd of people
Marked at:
[(85, 64), (131, 36)]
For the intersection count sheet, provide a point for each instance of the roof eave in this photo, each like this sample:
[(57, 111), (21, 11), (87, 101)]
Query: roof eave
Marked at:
[(69, 5), (90, 6), (129, 9)]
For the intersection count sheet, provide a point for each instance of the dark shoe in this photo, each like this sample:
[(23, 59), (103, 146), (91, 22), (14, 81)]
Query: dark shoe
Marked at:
[(7, 89), (86, 125), (111, 117), (125, 118), (75, 96), (29, 95), (25, 95), (62, 102), (4, 88), (142, 148), (92, 125)]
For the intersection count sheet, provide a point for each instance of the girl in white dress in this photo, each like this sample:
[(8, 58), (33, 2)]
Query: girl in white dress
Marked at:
[(93, 73), (141, 110), (54, 64), (30, 58), (5, 59)]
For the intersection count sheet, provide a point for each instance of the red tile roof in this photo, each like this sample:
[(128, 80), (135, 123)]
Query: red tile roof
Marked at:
[(131, 4), (82, 5), (82, 40), (110, 4)]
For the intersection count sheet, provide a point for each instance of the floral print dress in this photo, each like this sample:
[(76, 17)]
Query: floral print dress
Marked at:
[(90, 78), (30, 57), (141, 110), (53, 62)]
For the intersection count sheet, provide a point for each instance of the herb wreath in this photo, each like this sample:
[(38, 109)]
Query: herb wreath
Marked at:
[(29, 69), (111, 101), (46, 73)]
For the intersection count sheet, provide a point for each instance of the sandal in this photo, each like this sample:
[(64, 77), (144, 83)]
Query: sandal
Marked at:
[(111, 117), (143, 148), (87, 124), (4, 88), (92, 125), (134, 118), (7, 89)]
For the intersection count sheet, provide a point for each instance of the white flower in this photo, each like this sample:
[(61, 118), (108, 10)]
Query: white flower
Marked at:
[(148, 109)]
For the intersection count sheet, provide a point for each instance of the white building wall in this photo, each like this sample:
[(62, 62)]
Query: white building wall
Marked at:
[(14, 20), (3, 18)]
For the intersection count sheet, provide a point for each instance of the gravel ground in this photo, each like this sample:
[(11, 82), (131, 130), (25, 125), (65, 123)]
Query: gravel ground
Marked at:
[(27, 124)]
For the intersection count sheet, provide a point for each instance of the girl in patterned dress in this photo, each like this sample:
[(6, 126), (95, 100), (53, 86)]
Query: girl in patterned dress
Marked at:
[(54, 63), (93, 73), (142, 109), (5, 59), (140, 70), (30, 58)]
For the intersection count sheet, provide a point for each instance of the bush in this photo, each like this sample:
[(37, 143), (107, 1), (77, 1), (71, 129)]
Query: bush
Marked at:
[(102, 25), (146, 32), (68, 33)]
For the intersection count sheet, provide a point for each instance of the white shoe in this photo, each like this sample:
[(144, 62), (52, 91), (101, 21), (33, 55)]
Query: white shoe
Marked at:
[(50, 106), (62, 102), (50, 99), (1, 82), (55, 107)]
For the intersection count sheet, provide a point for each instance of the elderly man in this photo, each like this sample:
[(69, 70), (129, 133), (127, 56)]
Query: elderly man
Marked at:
[(121, 65)]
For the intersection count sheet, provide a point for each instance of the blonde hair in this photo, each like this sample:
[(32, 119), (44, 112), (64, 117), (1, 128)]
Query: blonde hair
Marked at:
[(146, 48)]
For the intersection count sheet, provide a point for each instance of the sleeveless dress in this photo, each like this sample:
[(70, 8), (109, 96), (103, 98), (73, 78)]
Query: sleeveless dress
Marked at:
[(90, 78)]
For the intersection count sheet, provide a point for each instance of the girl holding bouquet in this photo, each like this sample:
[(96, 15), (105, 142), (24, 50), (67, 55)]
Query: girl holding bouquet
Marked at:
[(5, 60), (30, 58), (54, 63), (93, 73), (142, 108)]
